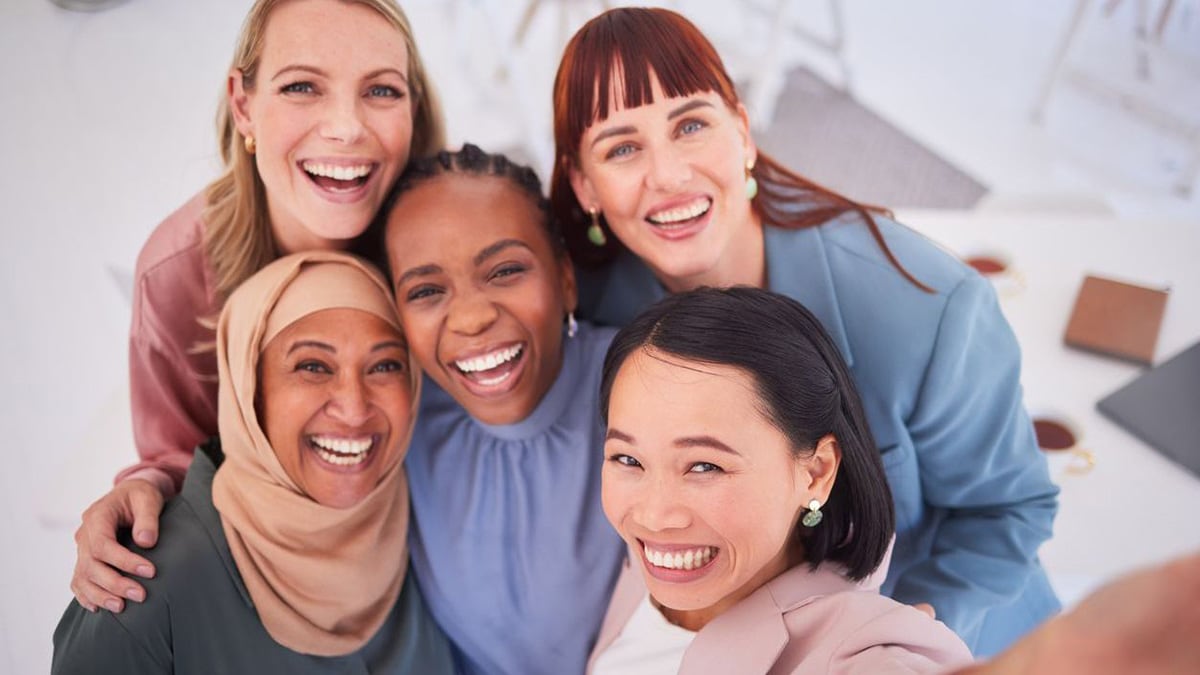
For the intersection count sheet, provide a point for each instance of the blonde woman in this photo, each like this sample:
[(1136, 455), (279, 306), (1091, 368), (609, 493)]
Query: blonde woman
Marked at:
[(326, 101)]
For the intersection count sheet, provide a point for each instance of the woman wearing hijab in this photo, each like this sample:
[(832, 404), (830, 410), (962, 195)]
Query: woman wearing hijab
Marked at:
[(285, 550)]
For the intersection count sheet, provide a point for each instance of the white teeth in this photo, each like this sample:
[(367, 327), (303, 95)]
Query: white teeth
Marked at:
[(489, 361), (681, 213), (342, 451), (337, 172), (680, 560)]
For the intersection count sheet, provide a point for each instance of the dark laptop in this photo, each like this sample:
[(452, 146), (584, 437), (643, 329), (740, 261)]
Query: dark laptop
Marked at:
[(1162, 407)]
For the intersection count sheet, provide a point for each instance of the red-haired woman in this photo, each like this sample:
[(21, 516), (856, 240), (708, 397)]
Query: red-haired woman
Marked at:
[(661, 188)]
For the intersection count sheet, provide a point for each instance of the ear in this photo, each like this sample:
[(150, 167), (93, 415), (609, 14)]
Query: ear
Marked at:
[(749, 147), (821, 468), (569, 289), (585, 192), (239, 102)]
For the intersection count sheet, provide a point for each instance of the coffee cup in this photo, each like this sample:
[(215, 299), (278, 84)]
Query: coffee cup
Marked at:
[(996, 266), (1060, 439)]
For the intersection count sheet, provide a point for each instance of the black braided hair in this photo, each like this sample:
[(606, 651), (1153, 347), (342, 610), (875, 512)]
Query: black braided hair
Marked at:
[(470, 160)]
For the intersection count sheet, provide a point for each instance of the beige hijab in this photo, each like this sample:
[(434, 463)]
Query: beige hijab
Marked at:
[(322, 579)]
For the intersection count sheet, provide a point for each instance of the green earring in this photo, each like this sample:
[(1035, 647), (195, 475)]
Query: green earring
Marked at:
[(814, 515), (751, 181), (595, 233)]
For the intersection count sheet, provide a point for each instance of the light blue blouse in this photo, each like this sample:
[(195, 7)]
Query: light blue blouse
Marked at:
[(510, 546), (939, 375)]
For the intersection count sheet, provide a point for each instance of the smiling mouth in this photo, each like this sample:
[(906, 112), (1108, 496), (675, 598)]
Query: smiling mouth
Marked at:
[(337, 178), (685, 560), (681, 216), (342, 451), (493, 368)]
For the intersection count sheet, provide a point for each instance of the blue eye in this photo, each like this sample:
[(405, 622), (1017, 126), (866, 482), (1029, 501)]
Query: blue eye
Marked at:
[(691, 126), (385, 91), (298, 88), (621, 150), (705, 467)]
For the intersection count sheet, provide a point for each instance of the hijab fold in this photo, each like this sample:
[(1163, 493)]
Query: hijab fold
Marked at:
[(323, 580)]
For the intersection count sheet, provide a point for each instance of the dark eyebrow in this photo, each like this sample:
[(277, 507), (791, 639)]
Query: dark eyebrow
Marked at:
[(614, 131), (688, 107), (317, 344), (685, 442), (497, 247), (421, 271), (618, 131), (614, 434), (704, 442), (311, 343), (389, 344)]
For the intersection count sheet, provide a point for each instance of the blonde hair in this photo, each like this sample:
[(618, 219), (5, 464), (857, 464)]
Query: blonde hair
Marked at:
[(237, 237)]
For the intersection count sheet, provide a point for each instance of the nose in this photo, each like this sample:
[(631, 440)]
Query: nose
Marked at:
[(660, 507), (668, 170), (349, 402), (471, 314), (343, 119)]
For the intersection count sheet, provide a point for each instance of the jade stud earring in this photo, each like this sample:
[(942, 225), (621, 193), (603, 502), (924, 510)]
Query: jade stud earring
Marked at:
[(814, 515)]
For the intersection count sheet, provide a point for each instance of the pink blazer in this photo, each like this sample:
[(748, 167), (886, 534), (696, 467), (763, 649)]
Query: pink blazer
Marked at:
[(803, 622)]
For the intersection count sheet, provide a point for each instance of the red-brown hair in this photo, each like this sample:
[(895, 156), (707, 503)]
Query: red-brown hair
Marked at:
[(627, 44)]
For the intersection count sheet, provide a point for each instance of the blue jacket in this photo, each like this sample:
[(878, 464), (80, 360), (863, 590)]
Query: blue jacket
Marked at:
[(939, 375)]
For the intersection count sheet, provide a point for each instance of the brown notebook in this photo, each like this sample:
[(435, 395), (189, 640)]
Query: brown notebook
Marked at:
[(1117, 319)]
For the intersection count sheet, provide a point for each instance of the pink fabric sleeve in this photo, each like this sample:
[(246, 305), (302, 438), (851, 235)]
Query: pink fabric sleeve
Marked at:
[(172, 384)]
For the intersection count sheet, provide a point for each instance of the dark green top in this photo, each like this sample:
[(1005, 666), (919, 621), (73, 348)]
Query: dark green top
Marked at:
[(198, 616)]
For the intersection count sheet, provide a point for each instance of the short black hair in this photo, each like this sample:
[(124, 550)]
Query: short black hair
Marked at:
[(804, 389), (471, 160)]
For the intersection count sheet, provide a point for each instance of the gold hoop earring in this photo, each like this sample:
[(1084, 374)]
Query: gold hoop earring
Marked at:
[(751, 181), (595, 233), (251, 146)]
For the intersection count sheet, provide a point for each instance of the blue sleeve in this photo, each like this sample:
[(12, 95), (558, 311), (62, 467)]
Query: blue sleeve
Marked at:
[(979, 461)]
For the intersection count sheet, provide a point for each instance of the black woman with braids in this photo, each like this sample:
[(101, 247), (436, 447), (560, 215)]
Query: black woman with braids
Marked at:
[(509, 544)]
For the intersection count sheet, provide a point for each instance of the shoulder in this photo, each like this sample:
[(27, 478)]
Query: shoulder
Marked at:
[(179, 234), (862, 631), (593, 343), (172, 283), (140, 639), (852, 248)]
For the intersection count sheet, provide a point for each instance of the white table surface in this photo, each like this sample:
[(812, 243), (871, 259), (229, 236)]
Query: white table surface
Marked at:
[(1135, 506)]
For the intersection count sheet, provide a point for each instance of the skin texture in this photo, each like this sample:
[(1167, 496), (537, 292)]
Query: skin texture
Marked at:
[(475, 274), (331, 88), (337, 374), (348, 104), (691, 462), (640, 162), (1144, 623)]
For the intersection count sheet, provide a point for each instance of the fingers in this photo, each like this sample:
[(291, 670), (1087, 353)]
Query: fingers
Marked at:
[(926, 608), (97, 580), (146, 505)]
